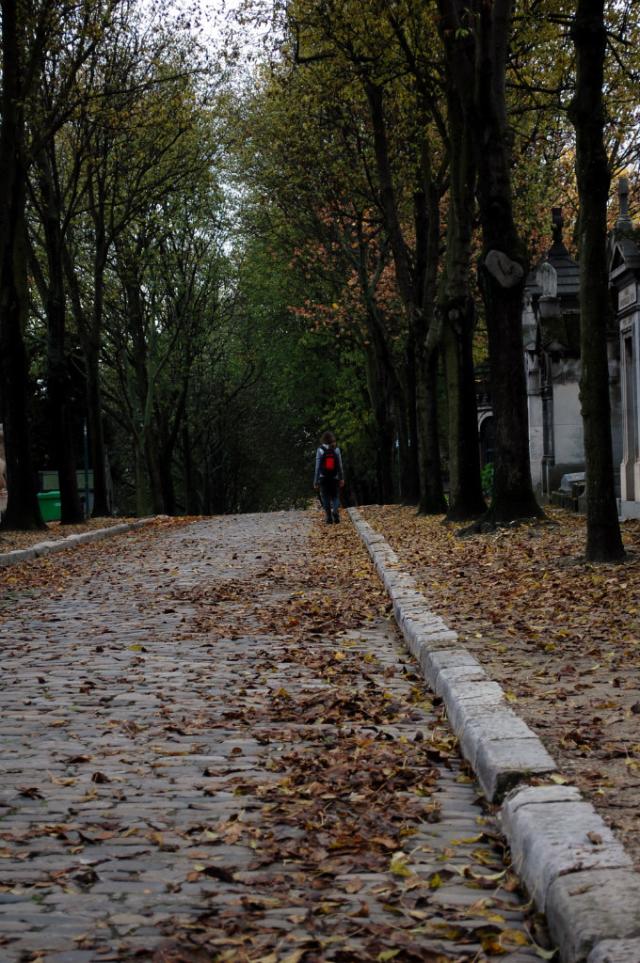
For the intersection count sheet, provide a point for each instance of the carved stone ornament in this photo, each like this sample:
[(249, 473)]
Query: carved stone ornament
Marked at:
[(507, 273)]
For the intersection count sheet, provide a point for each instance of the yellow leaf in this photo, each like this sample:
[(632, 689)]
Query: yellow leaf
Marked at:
[(398, 864), (560, 780), (387, 955), (491, 945), (515, 937), (466, 839)]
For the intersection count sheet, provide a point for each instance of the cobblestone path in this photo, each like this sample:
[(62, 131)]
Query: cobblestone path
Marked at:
[(175, 773)]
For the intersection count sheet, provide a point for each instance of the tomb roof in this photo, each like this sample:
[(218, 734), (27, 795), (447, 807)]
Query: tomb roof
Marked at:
[(623, 250), (566, 267)]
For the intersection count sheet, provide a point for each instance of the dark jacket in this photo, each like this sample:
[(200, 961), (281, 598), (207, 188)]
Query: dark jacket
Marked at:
[(317, 478)]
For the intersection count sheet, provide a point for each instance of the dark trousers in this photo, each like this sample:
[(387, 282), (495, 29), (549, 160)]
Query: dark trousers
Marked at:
[(330, 495)]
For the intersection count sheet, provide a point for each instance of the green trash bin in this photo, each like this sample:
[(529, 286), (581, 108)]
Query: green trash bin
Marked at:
[(50, 506)]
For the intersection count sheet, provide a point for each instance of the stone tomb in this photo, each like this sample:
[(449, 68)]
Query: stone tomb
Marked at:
[(551, 340), (624, 278), (551, 333)]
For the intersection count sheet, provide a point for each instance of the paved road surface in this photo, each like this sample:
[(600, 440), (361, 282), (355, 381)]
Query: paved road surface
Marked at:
[(177, 766)]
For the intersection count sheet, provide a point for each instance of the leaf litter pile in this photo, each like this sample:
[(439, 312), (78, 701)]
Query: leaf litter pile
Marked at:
[(245, 765), (561, 636)]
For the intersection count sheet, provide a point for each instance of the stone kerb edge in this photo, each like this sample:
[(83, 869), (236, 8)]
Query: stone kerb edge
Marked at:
[(49, 548), (567, 857), (576, 870), (502, 757)]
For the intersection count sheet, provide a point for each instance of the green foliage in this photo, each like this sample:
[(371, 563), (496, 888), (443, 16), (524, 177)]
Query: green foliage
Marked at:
[(487, 480)]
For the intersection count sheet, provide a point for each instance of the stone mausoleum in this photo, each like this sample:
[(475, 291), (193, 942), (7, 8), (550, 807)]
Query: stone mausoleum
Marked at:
[(624, 281), (551, 337)]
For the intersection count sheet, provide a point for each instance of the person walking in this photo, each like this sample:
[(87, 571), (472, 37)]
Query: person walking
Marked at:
[(329, 476)]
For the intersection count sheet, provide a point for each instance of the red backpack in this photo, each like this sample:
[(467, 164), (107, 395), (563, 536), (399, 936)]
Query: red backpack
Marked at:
[(329, 463)]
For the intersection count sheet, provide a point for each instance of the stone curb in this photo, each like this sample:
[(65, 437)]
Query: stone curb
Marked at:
[(578, 873), (48, 548)]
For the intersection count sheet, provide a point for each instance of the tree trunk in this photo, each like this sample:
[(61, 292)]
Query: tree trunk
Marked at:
[(411, 288), (406, 476), (89, 329), (502, 271), (23, 511), (465, 486), (142, 501), (383, 383), (191, 494), (588, 32), (152, 458), (170, 433), (456, 303), (432, 500), (58, 380), (387, 401), (151, 432), (101, 506), (409, 463), (382, 409), (427, 339)]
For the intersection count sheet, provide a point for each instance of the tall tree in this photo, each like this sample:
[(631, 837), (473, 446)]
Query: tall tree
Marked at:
[(416, 273), (456, 301), (589, 35), (45, 45), (503, 264), (18, 62), (144, 107), (76, 31), (165, 306), (48, 202)]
